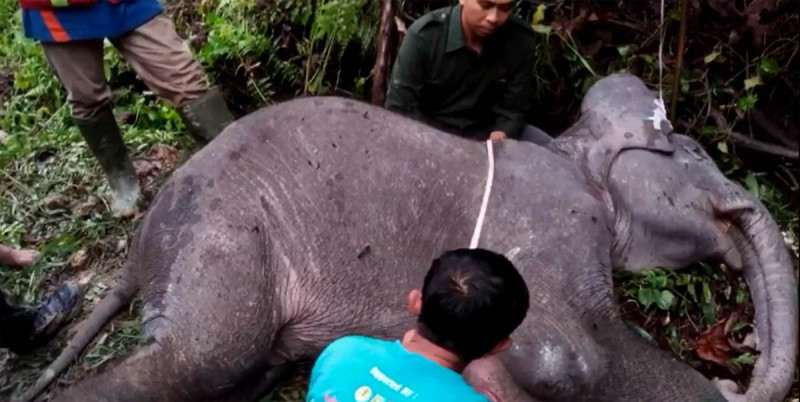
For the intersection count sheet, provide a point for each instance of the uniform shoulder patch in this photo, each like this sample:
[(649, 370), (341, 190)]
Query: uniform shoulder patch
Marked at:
[(432, 18)]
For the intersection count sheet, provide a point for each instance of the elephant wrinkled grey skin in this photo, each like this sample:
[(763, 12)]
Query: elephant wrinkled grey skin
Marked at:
[(313, 218)]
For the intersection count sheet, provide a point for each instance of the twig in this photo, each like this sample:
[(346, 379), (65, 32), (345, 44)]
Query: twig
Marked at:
[(757, 145), (793, 186), (381, 68), (627, 25), (676, 75), (749, 142), (771, 127)]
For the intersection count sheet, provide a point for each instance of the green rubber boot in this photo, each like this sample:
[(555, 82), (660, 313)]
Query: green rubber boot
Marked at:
[(105, 141), (206, 116)]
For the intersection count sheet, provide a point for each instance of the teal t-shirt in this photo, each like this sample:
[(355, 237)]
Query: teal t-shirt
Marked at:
[(361, 369)]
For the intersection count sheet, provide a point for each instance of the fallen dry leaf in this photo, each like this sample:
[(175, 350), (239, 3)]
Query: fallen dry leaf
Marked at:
[(85, 208), (79, 260), (157, 158), (716, 344), (713, 345), (55, 201)]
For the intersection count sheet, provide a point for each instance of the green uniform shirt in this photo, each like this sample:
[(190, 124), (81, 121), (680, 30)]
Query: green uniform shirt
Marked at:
[(439, 80)]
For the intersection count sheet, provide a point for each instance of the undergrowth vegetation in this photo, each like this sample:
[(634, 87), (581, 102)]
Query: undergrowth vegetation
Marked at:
[(53, 197)]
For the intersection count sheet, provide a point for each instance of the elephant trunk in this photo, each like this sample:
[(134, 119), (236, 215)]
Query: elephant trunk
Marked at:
[(773, 287)]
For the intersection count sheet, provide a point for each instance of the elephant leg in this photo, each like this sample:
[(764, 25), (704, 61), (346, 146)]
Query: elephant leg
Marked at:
[(554, 357), (147, 374), (210, 328), (258, 387)]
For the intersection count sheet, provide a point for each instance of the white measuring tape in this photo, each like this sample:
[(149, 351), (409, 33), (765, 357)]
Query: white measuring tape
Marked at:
[(476, 235)]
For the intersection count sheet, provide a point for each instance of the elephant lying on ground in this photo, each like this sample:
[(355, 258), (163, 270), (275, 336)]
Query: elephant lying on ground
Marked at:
[(313, 218)]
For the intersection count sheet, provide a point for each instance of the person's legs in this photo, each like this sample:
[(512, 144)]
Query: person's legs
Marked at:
[(165, 63), (534, 134), (16, 324), (79, 67), (23, 328)]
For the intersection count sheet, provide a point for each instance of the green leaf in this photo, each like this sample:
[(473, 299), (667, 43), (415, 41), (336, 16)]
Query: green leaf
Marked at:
[(752, 184), (744, 359), (710, 57), (657, 280), (723, 147), (746, 102), (683, 280), (623, 50), (709, 316), (647, 58), (708, 131), (752, 82), (741, 296), (707, 296), (62, 244), (646, 297), (706, 268), (538, 16), (665, 300), (542, 29), (738, 325), (768, 66)]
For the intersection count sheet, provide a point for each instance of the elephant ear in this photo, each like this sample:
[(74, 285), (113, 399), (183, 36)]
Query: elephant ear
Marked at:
[(618, 112)]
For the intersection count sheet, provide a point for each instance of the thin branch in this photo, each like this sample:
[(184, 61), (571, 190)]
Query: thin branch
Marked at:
[(676, 75), (628, 25), (752, 143), (773, 129), (793, 186), (761, 146), (381, 69)]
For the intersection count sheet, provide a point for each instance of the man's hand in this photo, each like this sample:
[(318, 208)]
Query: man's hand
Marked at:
[(496, 136), (16, 258)]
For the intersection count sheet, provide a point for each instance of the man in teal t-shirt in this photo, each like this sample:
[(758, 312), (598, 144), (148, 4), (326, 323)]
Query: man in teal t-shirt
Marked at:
[(471, 301)]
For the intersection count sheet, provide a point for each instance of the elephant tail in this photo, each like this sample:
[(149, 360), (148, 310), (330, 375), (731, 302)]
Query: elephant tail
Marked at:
[(121, 295)]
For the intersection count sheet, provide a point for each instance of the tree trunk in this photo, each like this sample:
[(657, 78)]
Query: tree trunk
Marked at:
[(381, 69)]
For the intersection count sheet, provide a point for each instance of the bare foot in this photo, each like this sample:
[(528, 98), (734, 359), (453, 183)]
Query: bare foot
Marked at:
[(17, 258)]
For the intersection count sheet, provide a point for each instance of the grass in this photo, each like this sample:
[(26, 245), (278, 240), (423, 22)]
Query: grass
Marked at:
[(53, 196)]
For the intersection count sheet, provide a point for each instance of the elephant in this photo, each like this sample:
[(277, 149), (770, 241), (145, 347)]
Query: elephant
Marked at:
[(312, 218)]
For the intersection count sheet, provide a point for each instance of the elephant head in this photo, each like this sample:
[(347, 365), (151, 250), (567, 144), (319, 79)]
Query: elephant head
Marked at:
[(671, 206)]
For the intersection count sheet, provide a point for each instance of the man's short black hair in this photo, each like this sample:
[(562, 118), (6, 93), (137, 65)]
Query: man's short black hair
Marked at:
[(471, 300)]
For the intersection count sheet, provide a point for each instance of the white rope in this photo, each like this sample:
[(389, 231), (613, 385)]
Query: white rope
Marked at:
[(476, 235), (660, 110), (660, 52)]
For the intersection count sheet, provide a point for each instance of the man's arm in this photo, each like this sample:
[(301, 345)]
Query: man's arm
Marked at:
[(407, 77), (512, 106)]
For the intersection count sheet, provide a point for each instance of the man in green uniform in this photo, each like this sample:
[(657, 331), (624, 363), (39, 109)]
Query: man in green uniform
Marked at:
[(467, 70)]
